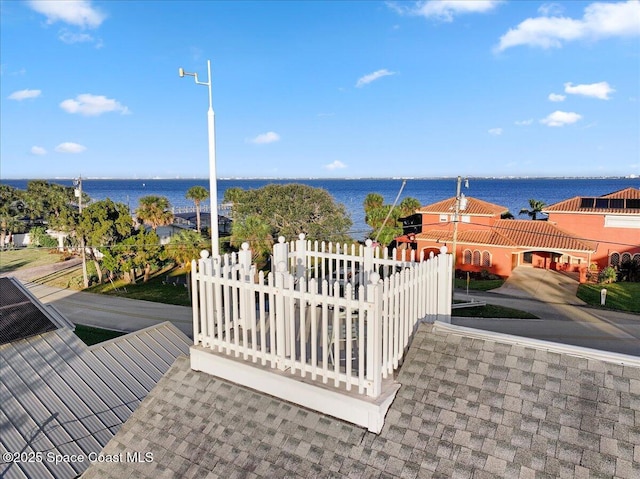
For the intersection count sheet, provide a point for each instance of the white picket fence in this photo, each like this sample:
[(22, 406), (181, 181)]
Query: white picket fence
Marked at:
[(324, 313)]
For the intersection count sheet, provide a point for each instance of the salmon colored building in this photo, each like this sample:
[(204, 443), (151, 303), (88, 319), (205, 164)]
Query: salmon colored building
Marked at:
[(610, 221), (485, 241)]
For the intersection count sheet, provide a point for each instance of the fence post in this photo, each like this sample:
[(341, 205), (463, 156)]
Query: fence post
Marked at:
[(374, 335), (281, 339), (280, 254), (244, 261), (368, 261), (301, 257)]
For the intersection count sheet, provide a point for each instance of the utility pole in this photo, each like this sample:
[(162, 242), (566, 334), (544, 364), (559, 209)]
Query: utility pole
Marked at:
[(460, 205), (78, 193)]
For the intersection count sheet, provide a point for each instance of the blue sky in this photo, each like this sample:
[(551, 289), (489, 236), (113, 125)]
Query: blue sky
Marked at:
[(320, 89)]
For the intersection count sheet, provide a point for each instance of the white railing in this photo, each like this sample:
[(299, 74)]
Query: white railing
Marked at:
[(351, 331)]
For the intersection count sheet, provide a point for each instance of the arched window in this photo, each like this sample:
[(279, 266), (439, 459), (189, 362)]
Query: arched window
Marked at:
[(486, 259), (476, 258), (466, 256), (614, 259), (636, 258), (626, 258)]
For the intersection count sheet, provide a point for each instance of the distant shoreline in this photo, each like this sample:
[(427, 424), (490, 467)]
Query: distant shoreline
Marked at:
[(383, 178)]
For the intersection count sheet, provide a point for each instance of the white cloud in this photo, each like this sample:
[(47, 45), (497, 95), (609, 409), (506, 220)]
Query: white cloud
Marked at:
[(373, 77), (70, 37), (600, 20), (445, 10), (595, 90), (92, 105), (69, 147), (73, 12), (495, 131), (551, 9), (556, 97), (524, 122), (38, 150), (336, 165), (561, 118), (24, 94), (264, 138)]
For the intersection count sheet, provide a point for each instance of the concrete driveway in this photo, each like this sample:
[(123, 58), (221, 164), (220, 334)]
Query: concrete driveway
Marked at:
[(563, 317)]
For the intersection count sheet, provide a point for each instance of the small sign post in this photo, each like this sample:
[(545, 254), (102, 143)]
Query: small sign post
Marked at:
[(603, 296)]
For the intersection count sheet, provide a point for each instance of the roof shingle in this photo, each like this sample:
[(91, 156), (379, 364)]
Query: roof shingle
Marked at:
[(475, 207), (467, 406), (515, 233)]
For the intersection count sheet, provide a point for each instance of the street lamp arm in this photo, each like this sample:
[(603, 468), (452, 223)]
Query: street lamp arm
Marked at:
[(183, 73)]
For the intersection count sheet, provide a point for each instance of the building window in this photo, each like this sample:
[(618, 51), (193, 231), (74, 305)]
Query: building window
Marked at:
[(466, 256), (614, 259), (486, 259), (626, 258), (636, 258), (476, 258)]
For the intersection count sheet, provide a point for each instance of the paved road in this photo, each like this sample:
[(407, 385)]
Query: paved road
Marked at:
[(563, 317), (547, 294), (112, 312)]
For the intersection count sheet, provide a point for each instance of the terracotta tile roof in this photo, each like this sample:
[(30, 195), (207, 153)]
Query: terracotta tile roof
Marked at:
[(516, 234), (475, 207), (577, 205), (468, 406)]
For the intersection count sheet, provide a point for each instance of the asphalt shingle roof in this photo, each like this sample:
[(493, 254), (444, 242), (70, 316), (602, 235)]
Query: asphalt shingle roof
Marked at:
[(467, 407)]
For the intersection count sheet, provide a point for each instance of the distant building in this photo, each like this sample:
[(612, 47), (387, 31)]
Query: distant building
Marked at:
[(612, 221), (485, 241)]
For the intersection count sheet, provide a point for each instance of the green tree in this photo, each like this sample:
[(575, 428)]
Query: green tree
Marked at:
[(184, 247), (384, 221), (140, 251), (409, 206), (39, 238), (373, 201), (292, 209), (102, 225), (154, 211), (199, 194), (255, 231), (535, 208), (12, 209), (54, 204)]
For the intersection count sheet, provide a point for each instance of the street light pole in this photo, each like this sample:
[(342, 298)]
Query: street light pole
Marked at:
[(213, 186)]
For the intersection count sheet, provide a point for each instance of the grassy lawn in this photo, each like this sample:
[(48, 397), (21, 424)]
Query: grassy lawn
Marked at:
[(491, 311), (479, 284), (620, 296), (15, 259), (90, 335), (152, 290)]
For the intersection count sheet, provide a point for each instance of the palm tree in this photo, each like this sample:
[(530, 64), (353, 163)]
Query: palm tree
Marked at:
[(198, 194), (536, 208), (154, 211), (373, 201), (409, 206), (256, 232)]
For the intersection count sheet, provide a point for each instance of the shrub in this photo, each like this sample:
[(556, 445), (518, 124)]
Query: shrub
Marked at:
[(608, 275), (39, 237)]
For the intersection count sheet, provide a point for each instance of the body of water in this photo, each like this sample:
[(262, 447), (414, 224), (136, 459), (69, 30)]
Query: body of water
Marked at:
[(514, 194)]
